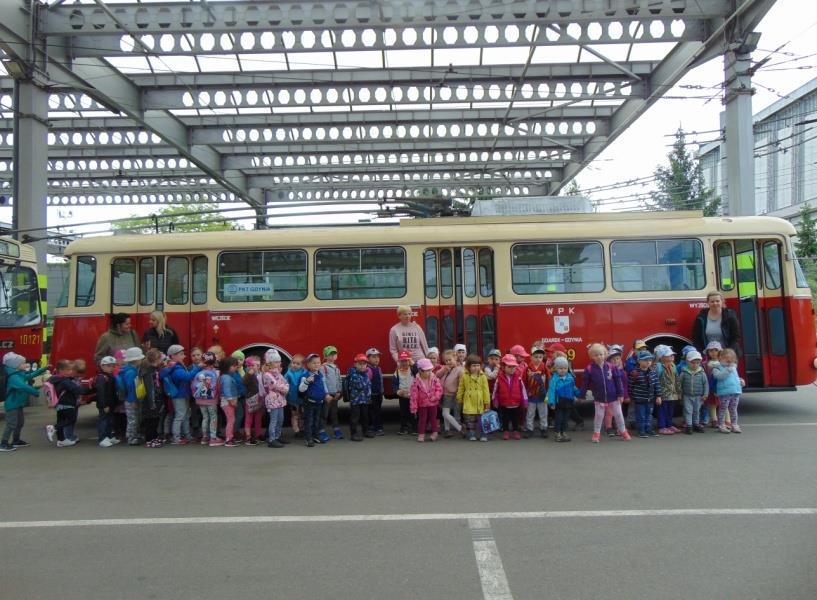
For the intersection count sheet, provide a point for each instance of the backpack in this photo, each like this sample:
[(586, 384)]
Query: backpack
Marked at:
[(141, 390), (344, 389), (4, 384), (51, 394), (170, 388), (490, 421)]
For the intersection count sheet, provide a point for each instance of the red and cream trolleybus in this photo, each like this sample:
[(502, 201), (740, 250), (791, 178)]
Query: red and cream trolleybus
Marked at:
[(21, 316), (484, 281)]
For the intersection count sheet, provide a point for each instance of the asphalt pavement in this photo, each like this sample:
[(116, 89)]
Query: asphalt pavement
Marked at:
[(391, 518)]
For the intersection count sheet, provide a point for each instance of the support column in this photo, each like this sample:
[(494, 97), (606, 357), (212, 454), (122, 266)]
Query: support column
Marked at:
[(31, 166), (740, 136), (261, 212)]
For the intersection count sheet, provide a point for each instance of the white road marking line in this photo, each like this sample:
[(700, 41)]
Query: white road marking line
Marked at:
[(407, 517), (489, 563), (778, 424)]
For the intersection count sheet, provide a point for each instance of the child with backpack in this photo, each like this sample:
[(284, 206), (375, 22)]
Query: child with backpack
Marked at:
[(16, 389), (228, 393), (65, 391), (294, 399), (204, 395), (273, 389), (106, 400), (376, 378), (176, 381), (126, 383), (359, 389), (253, 402), (153, 403)]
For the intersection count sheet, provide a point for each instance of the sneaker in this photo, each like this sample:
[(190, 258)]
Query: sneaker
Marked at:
[(433, 436), (448, 434), (283, 440), (106, 443), (666, 431), (654, 433), (484, 438), (544, 433), (643, 435), (735, 429), (421, 438), (558, 437), (155, 443), (250, 442), (517, 435), (699, 428), (688, 430), (380, 432), (370, 434), (178, 442), (215, 442), (274, 444), (402, 432), (674, 429), (338, 434), (230, 444), (472, 437), (66, 443), (565, 437), (625, 436), (50, 431), (204, 441), (724, 429), (596, 437), (356, 438), (20, 444), (611, 432), (323, 437), (115, 440), (6, 447), (506, 435), (309, 444)]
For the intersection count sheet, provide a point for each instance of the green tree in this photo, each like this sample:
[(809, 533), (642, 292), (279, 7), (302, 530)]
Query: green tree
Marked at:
[(807, 234), (185, 216), (572, 189), (681, 185)]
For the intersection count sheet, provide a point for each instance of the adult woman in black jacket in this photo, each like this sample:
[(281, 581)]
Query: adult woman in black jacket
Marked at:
[(716, 324), (159, 335)]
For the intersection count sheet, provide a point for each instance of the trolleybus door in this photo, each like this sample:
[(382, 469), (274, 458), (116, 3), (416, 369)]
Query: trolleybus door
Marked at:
[(459, 298), (753, 287)]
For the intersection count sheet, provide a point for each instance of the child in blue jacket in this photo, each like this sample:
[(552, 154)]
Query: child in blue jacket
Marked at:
[(294, 400), (728, 387), (313, 386), (562, 394)]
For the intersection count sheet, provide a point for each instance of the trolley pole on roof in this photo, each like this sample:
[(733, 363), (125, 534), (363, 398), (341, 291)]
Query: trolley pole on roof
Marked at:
[(740, 144)]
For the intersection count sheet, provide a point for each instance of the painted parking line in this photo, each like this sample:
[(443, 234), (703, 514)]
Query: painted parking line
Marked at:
[(384, 518), (489, 563), (778, 424)]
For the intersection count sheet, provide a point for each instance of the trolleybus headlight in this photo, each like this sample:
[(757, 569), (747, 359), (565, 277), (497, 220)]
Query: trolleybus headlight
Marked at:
[(814, 364)]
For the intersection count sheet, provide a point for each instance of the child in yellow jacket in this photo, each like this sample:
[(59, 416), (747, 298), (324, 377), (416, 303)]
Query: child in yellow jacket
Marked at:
[(474, 397)]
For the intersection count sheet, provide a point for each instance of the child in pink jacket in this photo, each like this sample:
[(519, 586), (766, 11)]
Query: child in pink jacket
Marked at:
[(426, 391), (272, 390)]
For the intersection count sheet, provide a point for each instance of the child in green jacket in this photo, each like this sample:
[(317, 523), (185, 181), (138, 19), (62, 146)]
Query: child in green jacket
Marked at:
[(18, 389)]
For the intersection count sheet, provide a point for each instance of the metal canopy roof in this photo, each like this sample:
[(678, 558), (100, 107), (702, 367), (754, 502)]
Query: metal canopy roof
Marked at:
[(345, 99)]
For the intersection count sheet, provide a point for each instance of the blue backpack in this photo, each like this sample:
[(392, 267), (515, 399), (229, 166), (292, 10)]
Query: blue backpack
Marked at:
[(490, 421)]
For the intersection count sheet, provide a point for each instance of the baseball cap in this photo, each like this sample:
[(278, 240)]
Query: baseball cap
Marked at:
[(615, 349), (693, 355), (107, 360), (404, 355), (132, 354), (639, 344), (372, 352), (311, 355), (518, 349), (495, 352), (360, 357), (537, 350), (329, 350), (644, 355), (557, 347), (713, 346), (510, 360), (175, 349), (433, 350), (458, 347), (424, 364)]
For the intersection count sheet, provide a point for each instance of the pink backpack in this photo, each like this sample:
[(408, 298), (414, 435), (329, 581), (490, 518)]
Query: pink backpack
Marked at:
[(51, 394)]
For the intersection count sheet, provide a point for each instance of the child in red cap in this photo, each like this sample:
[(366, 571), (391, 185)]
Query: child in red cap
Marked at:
[(510, 396)]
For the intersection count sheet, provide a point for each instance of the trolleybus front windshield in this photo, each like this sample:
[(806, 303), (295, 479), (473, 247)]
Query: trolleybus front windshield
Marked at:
[(19, 296)]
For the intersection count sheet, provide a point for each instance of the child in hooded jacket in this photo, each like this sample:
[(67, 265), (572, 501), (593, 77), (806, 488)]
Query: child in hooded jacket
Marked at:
[(205, 388), (729, 387), (668, 383), (694, 385), (273, 388), (510, 396), (375, 374), (424, 399), (614, 353), (449, 377), (253, 403), (474, 397), (293, 376), (359, 387), (562, 394), (538, 375), (18, 389), (606, 389), (68, 391), (154, 402), (313, 387)]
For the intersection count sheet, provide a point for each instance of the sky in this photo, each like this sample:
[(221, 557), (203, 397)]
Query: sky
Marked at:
[(788, 33)]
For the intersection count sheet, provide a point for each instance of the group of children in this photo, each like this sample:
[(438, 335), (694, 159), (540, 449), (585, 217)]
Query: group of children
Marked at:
[(155, 399)]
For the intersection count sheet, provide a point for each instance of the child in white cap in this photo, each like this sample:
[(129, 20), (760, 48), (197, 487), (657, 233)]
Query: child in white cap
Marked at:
[(18, 389), (694, 385)]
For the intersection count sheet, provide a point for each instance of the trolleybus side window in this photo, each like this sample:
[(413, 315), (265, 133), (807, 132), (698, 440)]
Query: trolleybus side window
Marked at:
[(486, 273), (85, 294), (355, 273), (147, 281), (123, 280), (771, 265), (469, 272), (657, 265), (726, 275), (431, 332), (177, 279), (430, 271), (446, 274), (569, 267), (200, 280), (261, 276)]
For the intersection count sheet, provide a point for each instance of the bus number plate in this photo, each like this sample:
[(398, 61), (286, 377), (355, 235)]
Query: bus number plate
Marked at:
[(29, 338)]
